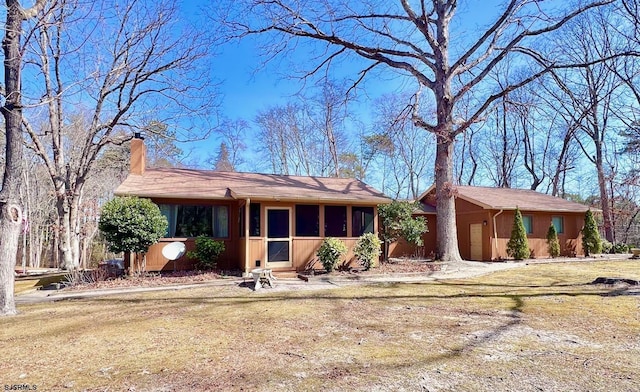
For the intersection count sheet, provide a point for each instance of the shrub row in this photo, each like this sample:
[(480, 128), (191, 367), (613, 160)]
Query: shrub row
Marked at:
[(367, 250)]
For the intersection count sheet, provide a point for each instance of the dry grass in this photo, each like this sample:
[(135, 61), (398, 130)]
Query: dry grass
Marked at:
[(537, 328)]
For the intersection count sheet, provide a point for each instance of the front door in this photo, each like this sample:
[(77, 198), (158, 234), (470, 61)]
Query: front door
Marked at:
[(475, 241), (278, 237)]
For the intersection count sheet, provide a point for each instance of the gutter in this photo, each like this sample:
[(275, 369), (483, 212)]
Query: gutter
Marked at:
[(247, 203), (495, 231)]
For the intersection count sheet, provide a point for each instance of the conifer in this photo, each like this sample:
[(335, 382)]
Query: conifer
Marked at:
[(553, 245), (518, 245), (591, 242)]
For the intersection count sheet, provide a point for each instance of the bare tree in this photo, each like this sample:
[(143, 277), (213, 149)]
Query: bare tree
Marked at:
[(125, 63), (406, 159), (160, 141), (10, 207), (288, 139), (329, 118), (590, 96), (233, 133), (415, 40), (39, 214), (307, 135)]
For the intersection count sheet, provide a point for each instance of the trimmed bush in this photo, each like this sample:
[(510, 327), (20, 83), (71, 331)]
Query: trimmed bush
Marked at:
[(620, 248), (367, 249), (518, 245), (330, 252), (553, 245), (206, 253), (131, 224), (591, 242)]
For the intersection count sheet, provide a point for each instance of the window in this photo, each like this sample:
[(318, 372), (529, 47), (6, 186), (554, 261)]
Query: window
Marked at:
[(220, 221), (254, 220), (362, 220), (335, 221), (192, 221), (307, 220), (528, 223), (558, 223), (170, 212)]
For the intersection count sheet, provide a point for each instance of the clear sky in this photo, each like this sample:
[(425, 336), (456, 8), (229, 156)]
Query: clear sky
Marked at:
[(247, 87)]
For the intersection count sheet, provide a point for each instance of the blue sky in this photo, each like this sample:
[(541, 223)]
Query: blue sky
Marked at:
[(247, 88)]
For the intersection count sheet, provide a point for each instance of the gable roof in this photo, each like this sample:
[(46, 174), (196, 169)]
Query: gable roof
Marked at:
[(510, 198), (213, 185)]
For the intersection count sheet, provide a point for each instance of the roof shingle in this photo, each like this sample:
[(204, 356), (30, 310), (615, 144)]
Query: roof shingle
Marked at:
[(207, 184), (510, 198)]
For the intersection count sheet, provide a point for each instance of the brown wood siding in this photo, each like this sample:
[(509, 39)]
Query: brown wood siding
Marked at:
[(157, 262), (303, 249), (234, 247), (256, 252), (463, 206), (464, 221), (570, 239), (401, 248), (303, 253)]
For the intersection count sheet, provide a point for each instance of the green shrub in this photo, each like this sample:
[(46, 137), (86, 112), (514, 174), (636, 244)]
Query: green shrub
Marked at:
[(398, 222), (131, 224), (518, 245), (553, 245), (591, 242), (367, 249), (206, 253), (620, 248), (607, 247), (330, 252)]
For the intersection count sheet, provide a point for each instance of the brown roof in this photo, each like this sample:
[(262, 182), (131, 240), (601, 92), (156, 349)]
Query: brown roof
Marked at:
[(207, 184), (510, 198)]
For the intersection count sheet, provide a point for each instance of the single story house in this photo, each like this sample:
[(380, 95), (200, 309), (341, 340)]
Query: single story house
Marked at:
[(485, 215), (266, 221)]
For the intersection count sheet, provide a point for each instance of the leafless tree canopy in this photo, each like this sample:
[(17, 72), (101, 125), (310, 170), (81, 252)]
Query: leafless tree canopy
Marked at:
[(100, 71), (422, 42)]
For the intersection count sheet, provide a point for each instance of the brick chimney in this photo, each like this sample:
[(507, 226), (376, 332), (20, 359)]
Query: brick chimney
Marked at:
[(138, 155)]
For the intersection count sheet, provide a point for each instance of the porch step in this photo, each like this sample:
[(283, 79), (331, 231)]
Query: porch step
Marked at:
[(285, 274)]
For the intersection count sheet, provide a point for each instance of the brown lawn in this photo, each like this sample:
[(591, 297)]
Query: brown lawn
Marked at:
[(541, 327)]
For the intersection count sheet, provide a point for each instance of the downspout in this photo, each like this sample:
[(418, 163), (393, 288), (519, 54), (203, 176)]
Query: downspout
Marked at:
[(246, 236), (495, 232)]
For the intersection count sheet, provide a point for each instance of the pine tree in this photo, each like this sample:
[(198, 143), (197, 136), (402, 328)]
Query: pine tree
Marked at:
[(591, 242), (518, 245), (222, 162), (552, 241)]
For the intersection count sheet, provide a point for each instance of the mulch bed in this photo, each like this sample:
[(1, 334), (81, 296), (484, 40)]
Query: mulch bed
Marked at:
[(394, 266)]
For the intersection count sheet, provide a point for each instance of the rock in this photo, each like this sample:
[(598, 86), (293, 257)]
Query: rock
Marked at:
[(603, 280)]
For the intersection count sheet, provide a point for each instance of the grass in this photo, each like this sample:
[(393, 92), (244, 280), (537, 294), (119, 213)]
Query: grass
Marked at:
[(539, 327)]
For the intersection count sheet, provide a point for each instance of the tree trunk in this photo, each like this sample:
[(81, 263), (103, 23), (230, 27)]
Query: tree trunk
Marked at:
[(10, 210), (604, 198), (446, 231), (74, 225), (65, 229), (10, 230)]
